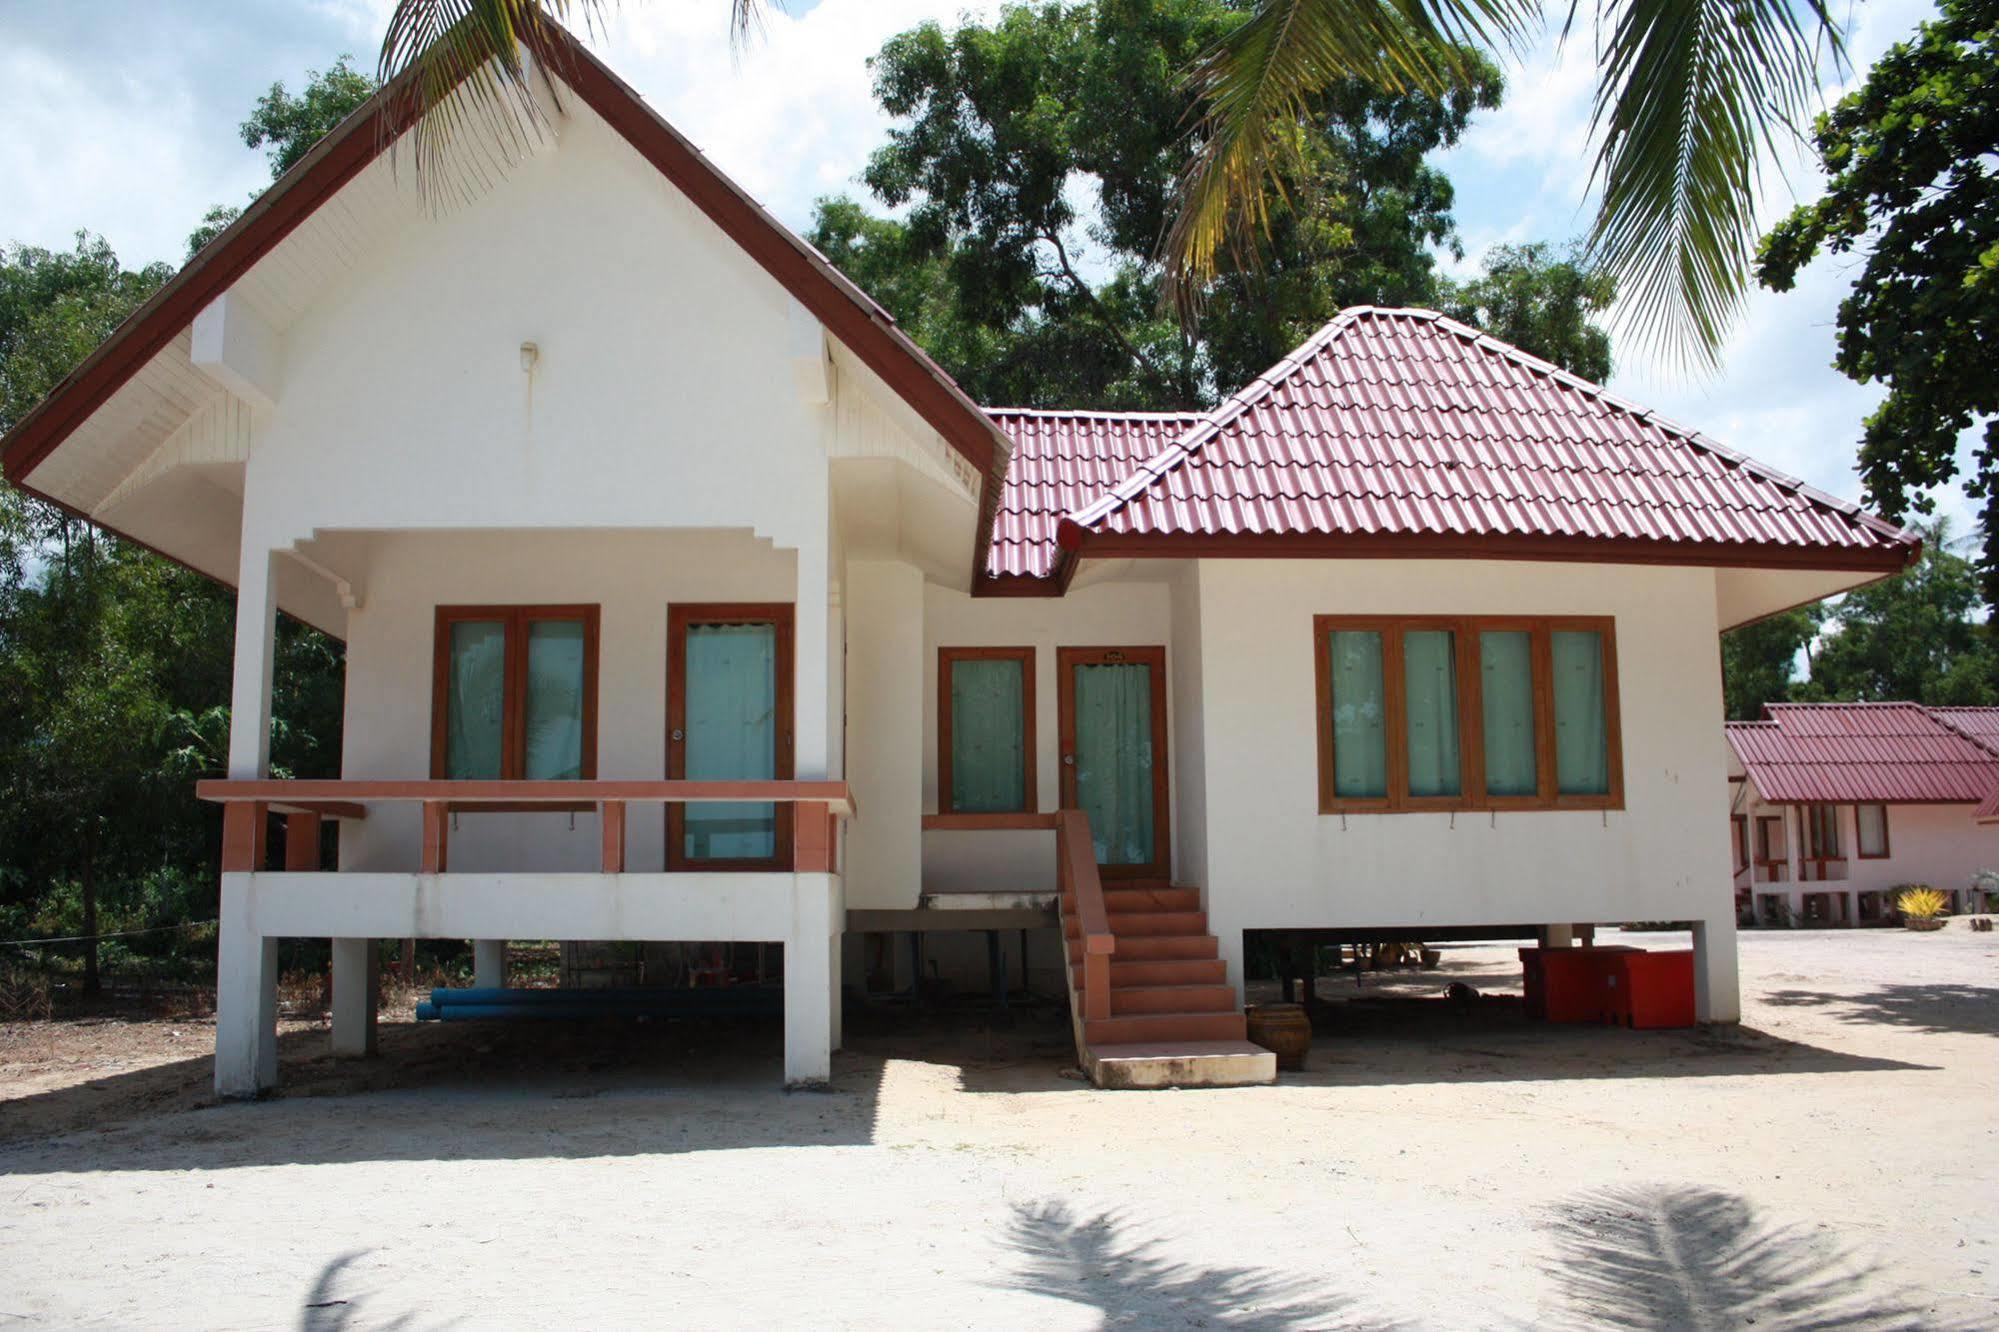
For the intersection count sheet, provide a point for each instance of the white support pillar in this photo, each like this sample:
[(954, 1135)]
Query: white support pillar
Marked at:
[(246, 998), (812, 618), (1558, 936), (808, 982), (246, 964), (357, 986), (1717, 982), (835, 970), (489, 963)]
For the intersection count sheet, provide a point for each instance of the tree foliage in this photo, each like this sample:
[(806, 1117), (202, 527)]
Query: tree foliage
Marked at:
[(1542, 301), (1912, 160), (1035, 159), (1911, 638)]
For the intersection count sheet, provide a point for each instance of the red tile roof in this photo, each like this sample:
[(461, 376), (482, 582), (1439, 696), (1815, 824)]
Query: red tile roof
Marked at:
[(1399, 426), (1062, 461), (1894, 753)]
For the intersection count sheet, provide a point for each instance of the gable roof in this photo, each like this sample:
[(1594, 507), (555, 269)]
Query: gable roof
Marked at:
[(1062, 461), (1891, 753), (844, 309), (1395, 432)]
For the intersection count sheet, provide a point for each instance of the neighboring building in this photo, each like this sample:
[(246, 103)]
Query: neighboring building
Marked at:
[(1835, 805), (686, 599)]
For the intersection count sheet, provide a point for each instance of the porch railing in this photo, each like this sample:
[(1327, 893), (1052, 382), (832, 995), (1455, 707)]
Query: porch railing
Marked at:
[(1077, 881), (305, 804)]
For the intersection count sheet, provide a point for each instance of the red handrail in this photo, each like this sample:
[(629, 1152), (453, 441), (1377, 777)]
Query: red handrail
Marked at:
[(1076, 860)]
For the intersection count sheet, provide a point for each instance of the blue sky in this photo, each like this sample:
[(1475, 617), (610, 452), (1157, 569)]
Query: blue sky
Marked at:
[(122, 119)]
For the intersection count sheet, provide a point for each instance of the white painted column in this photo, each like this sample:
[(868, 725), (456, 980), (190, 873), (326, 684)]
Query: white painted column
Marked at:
[(489, 963), (246, 964), (1558, 936), (810, 747), (1794, 854), (808, 979), (1717, 981), (246, 998), (883, 862), (357, 984)]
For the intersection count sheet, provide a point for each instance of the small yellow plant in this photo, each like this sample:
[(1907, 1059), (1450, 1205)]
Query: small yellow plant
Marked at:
[(1923, 903)]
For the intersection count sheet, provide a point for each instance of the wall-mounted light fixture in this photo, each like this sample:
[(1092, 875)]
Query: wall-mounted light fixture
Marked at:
[(529, 355)]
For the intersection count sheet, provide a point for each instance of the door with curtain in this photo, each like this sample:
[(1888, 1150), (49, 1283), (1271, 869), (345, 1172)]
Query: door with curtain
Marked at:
[(729, 718), (1113, 706)]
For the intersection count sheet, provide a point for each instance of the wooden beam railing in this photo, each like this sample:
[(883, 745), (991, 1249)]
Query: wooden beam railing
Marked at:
[(1076, 878), (816, 807)]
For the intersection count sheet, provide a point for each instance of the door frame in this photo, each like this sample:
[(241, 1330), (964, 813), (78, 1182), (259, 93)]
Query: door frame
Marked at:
[(679, 617), (1067, 659)]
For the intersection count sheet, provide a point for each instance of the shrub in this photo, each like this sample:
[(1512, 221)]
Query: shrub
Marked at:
[(1921, 903)]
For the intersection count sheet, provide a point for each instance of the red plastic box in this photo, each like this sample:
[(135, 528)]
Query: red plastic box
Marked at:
[(1566, 984), (1649, 989)]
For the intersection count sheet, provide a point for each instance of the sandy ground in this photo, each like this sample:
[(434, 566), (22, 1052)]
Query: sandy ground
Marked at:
[(1830, 1163)]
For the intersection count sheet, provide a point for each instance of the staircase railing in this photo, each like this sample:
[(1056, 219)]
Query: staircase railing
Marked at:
[(1076, 870)]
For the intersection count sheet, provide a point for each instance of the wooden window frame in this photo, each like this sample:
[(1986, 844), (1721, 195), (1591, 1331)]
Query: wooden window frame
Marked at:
[(1859, 845), (1739, 829), (513, 741), (949, 657), (679, 618), (1471, 712), (1812, 853), (1775, 869)]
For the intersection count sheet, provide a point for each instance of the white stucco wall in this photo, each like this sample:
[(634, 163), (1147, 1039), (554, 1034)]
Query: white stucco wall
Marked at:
[(632, 576), (1938, 845), (1275, 861), (1134, 612)]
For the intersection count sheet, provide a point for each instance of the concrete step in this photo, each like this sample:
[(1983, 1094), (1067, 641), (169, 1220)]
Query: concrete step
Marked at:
[(1164, 1027), (1168, 971), (1172, 999), (1144, 1064)]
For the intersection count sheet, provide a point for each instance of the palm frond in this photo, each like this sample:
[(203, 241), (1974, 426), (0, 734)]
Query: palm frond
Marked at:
[(455, 70), (1692, 98), (1254, 88)]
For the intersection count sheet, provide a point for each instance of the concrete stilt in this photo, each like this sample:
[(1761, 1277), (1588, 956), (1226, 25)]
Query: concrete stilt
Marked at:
[(1717, 984), (489, 963), (1558, 936), (357, 987), (246, 998), (809, 969)]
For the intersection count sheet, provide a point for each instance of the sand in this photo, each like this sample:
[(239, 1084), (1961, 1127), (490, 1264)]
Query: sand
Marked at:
[(1830, 1163)]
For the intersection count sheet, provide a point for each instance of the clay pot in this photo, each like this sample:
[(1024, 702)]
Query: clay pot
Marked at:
[(1282, 1029), (1916, 923)]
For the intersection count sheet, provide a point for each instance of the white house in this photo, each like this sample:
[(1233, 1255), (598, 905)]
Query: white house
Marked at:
[(686, 599), (1834, 806)]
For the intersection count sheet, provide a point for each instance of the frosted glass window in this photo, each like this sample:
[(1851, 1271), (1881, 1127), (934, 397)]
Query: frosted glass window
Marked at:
[(1360, 715), (476, 701), (1872, 821), (553, 745), (1430, 693), (731, 735), (989, 755), (1582, 730), (1506, 683)]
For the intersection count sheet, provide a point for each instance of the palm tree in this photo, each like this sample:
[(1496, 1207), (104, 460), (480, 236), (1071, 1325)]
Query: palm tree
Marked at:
[(1691, 97)]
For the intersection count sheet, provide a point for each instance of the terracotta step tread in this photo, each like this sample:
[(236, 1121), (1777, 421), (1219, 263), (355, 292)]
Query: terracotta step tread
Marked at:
[(1163, 947), (1145, 899), (1172, 999), (1162, 971), (1148, 922), (1121, 1028)]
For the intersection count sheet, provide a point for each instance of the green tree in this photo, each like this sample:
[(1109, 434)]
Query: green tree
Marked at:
[(1912, 165), (1911, 637), (1692, 96), (1541, 301), (1759, 662), (287, 127), (1036, 158)]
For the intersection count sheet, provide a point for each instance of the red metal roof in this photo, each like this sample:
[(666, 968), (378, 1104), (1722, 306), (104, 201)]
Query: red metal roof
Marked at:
[(1893, 753), (1392, 425), (1061, 462)]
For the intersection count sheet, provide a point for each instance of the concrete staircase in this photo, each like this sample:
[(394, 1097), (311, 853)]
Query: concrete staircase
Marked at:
[(1174, 1020)]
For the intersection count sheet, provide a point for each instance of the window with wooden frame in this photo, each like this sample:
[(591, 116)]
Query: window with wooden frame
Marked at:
[(514, 693), (985, 730), (1822, 837), (1739, 826), (1467, 712), (1770, 850), (1871, 831), (729, 695)]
